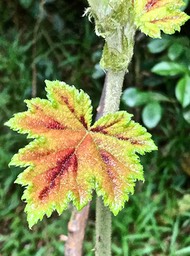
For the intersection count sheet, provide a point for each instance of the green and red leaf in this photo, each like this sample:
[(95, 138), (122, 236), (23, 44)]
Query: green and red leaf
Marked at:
[(69, 158), (152, 16)]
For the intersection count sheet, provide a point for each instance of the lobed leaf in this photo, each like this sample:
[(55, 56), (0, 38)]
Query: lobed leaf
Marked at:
[(69, 158), (152, 16)]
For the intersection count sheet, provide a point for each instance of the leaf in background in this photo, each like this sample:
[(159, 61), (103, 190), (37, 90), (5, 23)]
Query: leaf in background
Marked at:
[(134, 97), (158, 45), (186, 116), (182, 91), (131, 97), (152, 16), (68, 158), (185, 5), (98, 72), (165, 68), (152, 114), (175, 51)]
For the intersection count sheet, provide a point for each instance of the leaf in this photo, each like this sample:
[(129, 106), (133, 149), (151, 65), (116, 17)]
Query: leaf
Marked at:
[(131, 97), (134, 97), (68, 159), (182, 91), (186, 2), (98, 72), (165, 68), (152, 114), (152, 16), (175, 51), (186, 116), (158, 45)]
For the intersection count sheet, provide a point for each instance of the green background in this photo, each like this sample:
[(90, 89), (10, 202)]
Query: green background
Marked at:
[(51, 40)]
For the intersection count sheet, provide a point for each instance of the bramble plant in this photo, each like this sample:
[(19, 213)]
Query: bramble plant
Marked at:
[(69, 157)]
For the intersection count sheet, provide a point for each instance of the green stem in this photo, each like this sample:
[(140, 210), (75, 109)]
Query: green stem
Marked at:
[(113, 90), (103, 229), (109, 103)]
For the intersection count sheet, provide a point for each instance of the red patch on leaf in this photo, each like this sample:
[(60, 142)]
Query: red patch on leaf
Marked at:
[(103, 127), (113, 181), (66, 101), (132, 141), (107, 158), (167, 19), (82, 120), (53, 176), (150, 5), (54, 125), (99, 129)]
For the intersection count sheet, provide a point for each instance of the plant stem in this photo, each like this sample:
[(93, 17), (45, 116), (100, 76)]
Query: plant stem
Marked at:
[(103, 229), (76, 232), (109, 103), (113, 90)]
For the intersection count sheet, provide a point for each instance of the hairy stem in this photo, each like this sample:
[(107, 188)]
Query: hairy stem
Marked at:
[(113, 90), (109, 103), (103, 229)]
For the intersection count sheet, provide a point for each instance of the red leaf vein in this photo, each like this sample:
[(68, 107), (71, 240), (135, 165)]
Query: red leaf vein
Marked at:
[(69, 161), (151, 4)]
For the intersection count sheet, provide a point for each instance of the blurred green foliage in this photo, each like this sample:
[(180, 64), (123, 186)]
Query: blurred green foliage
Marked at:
[(50, 40), (173, 66)]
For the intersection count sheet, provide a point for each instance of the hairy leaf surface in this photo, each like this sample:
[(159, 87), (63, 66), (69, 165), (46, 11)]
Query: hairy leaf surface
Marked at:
[(69, 158), (152, 16)]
